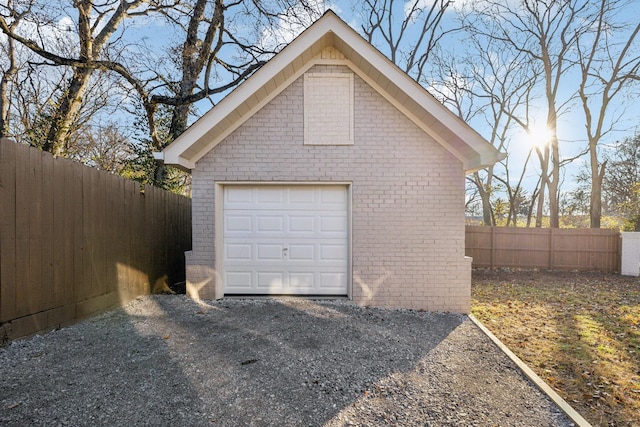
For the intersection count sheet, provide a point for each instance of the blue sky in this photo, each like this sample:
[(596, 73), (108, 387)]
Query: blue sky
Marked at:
[(156, 33)]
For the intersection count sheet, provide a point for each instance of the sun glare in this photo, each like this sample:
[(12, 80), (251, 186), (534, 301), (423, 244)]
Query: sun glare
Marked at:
[(539, 136)]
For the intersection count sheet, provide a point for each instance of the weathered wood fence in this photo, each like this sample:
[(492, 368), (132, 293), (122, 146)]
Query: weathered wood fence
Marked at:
[(545, 248), (75, 241)]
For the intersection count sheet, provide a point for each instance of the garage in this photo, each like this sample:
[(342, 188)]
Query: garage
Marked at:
[(285, 239), (330, 171)]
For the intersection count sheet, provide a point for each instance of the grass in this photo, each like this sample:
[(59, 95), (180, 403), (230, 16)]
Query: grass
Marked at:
[(580, 332)]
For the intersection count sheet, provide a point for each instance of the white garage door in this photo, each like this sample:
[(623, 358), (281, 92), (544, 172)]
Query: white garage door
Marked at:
[(285, 240)]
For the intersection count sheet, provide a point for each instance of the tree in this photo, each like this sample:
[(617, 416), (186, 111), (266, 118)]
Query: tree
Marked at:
[(621, 183), (214, 57), (103, 147), (95, 26), (546, 33), (407, 41), (9, 71), (607, 67)]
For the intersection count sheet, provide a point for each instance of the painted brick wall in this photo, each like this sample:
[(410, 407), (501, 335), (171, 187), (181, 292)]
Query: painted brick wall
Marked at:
[(407, 207)]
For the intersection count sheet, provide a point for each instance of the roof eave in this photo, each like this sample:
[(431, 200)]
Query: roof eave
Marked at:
[(201, 137), (483, 161)]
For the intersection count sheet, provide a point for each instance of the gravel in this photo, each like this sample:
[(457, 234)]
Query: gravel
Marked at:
[(168, 360)]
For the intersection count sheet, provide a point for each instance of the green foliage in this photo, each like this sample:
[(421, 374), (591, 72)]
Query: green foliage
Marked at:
[(143, 168), (621, 186)]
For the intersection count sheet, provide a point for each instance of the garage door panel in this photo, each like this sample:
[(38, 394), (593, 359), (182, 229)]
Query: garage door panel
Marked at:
[(270, 252), (283, 225), (239, 252), (270, 281), (239, 280), (270, 224), (238, 195), (270, 195), (301, 280), (333, 224), (285, 240), (333, 196), (302, 196), (302, 224), (238, 223), (332, 281), (302, 252), (332, 252)]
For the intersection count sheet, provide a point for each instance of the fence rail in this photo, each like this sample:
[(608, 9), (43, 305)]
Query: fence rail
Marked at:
[(75, 240), (544, 248)]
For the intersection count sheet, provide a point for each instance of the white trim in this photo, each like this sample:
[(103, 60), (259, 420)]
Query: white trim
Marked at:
[(218, 215), (390, 99), (286, 83), (327, 31), (250, 113), (219, 224)]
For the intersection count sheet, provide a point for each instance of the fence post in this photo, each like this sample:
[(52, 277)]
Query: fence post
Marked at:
[(551, 247), (630, 264), (493, 247)]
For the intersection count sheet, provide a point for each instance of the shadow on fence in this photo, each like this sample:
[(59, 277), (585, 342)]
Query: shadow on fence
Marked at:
[(75, 241)]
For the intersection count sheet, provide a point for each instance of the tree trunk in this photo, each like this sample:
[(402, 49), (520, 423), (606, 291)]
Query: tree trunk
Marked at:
[(67, 112), (531, 205), (553, 181), (554, 212), (595, 200), (485, 196), (4, 107), (4, 87), (540, 208), (486, 210)]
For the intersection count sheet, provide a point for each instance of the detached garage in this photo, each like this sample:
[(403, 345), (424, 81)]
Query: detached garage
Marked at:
[(331, 172)]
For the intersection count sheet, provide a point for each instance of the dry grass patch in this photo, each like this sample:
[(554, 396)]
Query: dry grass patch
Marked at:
[(580, 332)]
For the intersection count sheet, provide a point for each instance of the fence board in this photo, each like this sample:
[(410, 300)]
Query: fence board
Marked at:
[(561, 249), (7, 231), (60, 232), (48, 246), (84, 291), (34, 188), (22, 228), (74, 240), (77, 213)]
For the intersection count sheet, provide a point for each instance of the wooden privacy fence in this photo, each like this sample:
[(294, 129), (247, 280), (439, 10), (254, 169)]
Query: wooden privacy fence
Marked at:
[(545, 248), (75, 241)]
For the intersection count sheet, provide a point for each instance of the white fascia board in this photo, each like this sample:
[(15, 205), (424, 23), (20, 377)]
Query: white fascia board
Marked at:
[(179, 162), (483, 162), (330, 23), (414, 90), (486, 154), (254, 109)]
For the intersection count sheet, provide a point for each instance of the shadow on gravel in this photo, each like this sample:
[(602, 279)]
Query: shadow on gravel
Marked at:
[(168, 360), (294, 361), (100, 372)]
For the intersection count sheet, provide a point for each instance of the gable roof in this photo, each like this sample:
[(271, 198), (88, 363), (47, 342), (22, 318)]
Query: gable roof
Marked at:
[(331, 41)]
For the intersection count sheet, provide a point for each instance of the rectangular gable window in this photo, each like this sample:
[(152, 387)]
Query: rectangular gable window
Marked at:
[(328, 109)]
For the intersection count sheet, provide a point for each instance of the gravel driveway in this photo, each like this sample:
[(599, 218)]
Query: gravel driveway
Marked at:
[(167, 360)]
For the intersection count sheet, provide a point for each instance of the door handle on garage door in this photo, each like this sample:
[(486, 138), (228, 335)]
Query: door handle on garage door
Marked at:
[(285, 252)]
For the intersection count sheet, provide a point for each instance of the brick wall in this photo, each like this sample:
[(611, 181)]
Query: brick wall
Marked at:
[(407, 207)]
